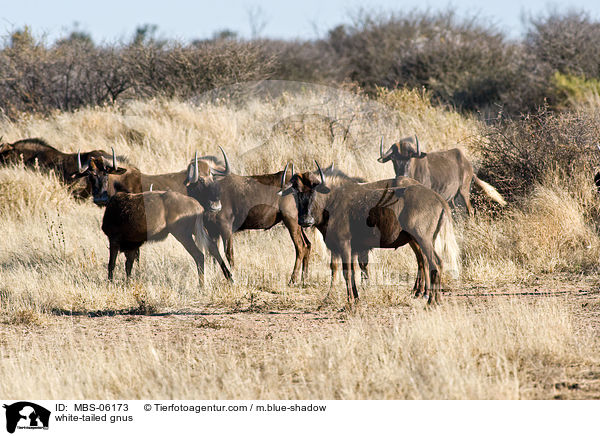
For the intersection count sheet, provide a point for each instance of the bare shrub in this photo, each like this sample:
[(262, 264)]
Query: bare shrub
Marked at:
[(176, 70), (520, 152), (568, 42), (305, 61), (460, 61), (74, 73)]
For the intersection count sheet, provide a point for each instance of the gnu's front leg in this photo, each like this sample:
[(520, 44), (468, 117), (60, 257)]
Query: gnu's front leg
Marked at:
[(214, 251), (348, 271), (334, 265)]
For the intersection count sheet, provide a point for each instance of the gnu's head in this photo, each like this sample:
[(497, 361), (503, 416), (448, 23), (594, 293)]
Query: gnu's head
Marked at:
[(202, 182), (305, 187), (404, 149), (96, 169), (7, 152)]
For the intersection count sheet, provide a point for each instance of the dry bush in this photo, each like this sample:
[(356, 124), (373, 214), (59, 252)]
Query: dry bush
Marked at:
[(185, 71), (66, 76), (464, 62), (305, 61), (74, 73), (460, 61), (518, 153), (569, 42)]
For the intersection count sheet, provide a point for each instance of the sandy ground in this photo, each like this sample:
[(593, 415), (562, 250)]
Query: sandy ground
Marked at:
[(252, 328)]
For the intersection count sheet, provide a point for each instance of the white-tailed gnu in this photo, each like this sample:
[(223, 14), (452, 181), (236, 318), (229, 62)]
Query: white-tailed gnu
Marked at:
[(449, 172), (355, 218)]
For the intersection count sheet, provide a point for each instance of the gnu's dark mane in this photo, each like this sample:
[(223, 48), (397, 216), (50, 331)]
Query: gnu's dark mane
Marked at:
[(213, 159), (270, 179), (335, 177), (34, 141)]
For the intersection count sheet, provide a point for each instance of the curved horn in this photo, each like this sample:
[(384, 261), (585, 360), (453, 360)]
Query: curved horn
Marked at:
[(418, 147), (321, 173), (151, 184), (195, 176), (114, 158), (79, 169), (284, 174), (227, 168), (384, 157)]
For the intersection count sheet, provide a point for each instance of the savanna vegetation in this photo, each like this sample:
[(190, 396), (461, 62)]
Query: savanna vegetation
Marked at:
[(520, 321)]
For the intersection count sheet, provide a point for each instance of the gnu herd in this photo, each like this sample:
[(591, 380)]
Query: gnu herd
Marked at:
[(207, 202)]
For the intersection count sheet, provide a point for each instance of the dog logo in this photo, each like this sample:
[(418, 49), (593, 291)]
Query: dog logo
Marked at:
[(26, 415)]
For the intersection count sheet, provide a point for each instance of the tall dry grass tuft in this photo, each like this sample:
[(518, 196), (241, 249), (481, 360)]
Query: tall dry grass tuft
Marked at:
[(26, 192), (550, 232)]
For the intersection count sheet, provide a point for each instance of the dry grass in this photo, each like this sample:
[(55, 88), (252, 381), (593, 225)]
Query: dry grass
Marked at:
[(53, 260), (454, 352)]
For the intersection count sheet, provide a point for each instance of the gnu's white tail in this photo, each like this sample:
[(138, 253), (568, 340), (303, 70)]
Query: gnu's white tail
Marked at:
[(446, 246), (205, 244), (202, 238), (489, 190)]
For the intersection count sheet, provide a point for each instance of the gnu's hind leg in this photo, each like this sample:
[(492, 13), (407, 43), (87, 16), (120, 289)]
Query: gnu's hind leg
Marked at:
[(432, 270), (334, 265), (363, 263), (112, 260), (130, 257), (420, 285), (466, 198), (190, 246)]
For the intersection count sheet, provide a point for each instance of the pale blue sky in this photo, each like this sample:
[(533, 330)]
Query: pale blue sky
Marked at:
[(113, 20)]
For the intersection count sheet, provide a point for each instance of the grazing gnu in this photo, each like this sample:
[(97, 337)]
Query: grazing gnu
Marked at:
[(354, 219), (37, 152), (130, 220), (449, 173), (252, 203)]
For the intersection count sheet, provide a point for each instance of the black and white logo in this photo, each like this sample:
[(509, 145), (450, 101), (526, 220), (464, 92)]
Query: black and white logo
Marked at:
[(26, 415)]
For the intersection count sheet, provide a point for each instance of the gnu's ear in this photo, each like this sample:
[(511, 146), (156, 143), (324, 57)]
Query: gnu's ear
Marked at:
[(285, 191), (384, 157), (118, 171), (322, 188), (78, 175)]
